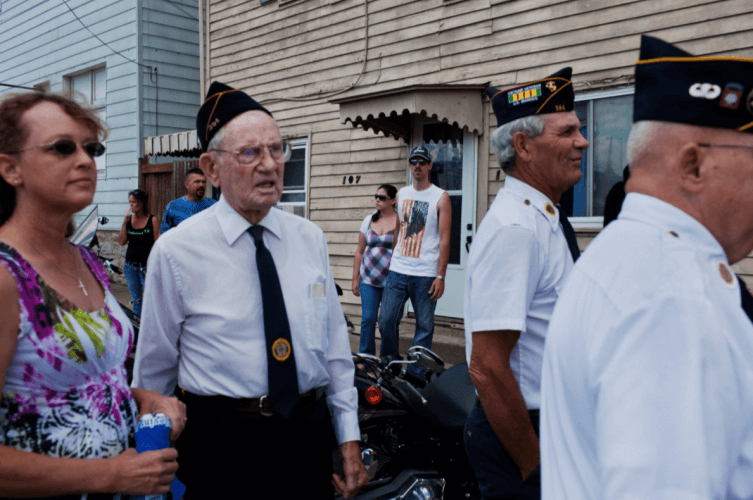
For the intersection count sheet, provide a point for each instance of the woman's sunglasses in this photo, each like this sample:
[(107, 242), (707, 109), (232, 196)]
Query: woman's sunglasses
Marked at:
[(66, 147), (418, 161), (381, 197)]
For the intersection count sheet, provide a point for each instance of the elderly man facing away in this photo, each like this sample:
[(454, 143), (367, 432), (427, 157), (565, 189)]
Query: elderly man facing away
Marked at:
[(647, 385), (249, 326)]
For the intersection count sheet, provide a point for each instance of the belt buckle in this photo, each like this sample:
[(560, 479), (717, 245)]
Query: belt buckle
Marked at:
[(264, 409)]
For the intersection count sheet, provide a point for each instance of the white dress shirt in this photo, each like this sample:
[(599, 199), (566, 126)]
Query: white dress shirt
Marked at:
[(648, 368), (202, 322), (516, 268)]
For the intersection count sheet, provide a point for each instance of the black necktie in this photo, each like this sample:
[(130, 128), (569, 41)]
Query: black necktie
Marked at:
[(572, 242), (747, 300), (281, 371)]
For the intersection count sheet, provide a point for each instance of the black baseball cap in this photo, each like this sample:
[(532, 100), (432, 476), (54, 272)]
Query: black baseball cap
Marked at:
[(419, 152)]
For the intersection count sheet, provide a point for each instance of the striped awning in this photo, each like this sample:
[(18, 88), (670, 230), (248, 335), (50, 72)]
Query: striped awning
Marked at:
[(389, 111), (185, 144)]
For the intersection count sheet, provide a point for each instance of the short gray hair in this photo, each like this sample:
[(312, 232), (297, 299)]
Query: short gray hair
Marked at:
[(639, 134), (532, 126), (216, 141)]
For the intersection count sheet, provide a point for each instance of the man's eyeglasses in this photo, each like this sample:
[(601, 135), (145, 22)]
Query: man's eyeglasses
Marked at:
[(66, 147), (381, 197), (418, 161), (709, 145), (250, 156)]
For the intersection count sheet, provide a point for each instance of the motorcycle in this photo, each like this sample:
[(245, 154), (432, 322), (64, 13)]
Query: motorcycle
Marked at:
[(412, 425)]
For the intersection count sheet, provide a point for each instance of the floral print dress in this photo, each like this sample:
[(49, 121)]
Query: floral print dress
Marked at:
[(65, 392)]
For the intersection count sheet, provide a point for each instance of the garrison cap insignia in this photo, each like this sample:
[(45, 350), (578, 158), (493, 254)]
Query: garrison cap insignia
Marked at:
[(550, 209), (223, 103), (705, 90), (732, 95), (725, 273), (552, 94), (674, 86), (281, 349), (528, 94)]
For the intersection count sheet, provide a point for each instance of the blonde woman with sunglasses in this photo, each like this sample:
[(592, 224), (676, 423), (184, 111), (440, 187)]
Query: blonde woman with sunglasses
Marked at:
[(66, 411)]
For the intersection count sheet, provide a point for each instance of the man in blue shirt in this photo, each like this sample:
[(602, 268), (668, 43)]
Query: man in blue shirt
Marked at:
[(191, 204)]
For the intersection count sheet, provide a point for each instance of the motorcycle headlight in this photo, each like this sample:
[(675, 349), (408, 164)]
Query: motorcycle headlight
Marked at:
[(409, 485)]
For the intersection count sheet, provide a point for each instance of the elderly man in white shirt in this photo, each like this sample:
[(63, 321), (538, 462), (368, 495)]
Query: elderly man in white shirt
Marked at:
[(520, 258), (252, 344), (647, 387)]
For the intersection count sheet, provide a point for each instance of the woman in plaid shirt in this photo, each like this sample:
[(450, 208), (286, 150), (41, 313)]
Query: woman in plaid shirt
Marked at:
[(372, 262)]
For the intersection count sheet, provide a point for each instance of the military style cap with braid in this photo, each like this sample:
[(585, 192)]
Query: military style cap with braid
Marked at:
[(549, 95), (672, 85), (223, 103)]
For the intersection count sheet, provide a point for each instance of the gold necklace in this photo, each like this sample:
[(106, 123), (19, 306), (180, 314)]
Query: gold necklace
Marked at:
[(80, 283)]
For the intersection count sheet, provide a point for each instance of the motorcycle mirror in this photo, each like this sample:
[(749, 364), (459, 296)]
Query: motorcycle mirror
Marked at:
[(426, 359)]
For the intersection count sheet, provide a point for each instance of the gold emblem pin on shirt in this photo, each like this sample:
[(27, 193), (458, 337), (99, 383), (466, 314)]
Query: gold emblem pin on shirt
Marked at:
[(281, 349), (725, 273), (550, 209)]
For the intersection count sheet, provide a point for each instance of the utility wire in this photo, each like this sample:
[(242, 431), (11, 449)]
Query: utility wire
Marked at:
[(16, 86), (102, 41), (327, 95), (177, 6)]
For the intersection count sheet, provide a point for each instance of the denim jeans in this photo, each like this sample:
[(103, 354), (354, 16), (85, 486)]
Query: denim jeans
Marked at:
[(371, 297), (397, 289), (135, 275)]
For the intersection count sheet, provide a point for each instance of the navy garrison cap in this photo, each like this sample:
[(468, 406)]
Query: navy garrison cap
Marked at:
[(709, 91), (549, 95), (223, 103)]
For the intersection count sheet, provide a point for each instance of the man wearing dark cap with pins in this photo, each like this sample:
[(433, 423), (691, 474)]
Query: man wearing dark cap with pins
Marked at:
[(648, 367), (241, 313), (519, 260)]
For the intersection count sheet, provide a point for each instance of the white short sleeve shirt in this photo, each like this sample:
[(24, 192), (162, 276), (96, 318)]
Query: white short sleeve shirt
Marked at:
[(517, 266), (647, 389)]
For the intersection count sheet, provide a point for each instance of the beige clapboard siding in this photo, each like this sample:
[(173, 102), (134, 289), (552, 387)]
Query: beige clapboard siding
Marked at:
[(315, 47)]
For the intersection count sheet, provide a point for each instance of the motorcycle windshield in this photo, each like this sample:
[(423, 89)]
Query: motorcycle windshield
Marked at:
[(85, 232)]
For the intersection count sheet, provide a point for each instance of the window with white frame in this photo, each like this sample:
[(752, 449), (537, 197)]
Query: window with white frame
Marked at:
[(91, 86), (293, 197), (606, 119)]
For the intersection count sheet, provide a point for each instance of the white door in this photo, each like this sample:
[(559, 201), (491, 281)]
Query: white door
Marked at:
[(454, 170)]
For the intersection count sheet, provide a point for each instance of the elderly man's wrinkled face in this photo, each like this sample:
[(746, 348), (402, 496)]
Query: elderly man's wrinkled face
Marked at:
[(559, 151), (726, 202), (251, 187)]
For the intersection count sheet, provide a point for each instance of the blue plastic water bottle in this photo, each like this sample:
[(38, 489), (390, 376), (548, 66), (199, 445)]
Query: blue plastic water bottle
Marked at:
[(153, 433)]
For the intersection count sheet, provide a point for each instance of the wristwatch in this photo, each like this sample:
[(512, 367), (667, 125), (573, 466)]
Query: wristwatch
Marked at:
[(440, 277)]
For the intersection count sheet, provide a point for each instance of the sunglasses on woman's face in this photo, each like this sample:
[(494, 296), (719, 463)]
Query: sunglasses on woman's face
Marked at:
[(418, 161), (66, 147), (380, 197)]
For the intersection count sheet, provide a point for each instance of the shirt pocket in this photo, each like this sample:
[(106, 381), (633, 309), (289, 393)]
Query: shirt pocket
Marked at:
[(317, 324)]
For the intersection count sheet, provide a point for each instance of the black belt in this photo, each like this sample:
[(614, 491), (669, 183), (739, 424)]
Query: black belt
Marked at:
[(247, 405), (136, 264), (90, 496)]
